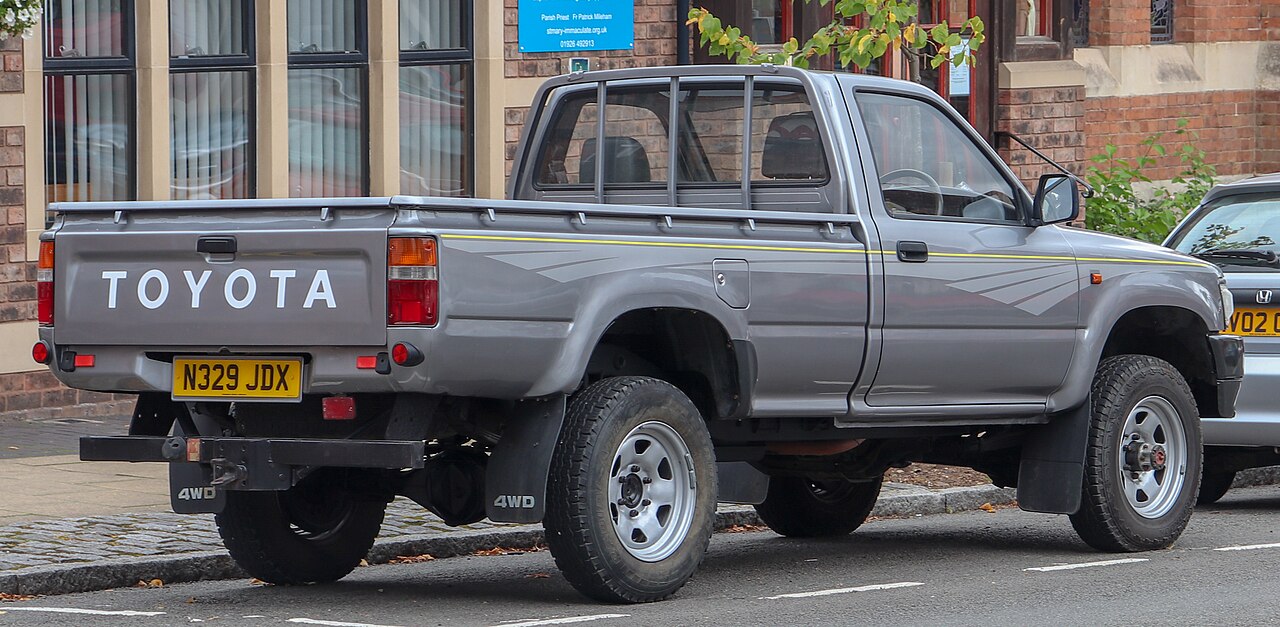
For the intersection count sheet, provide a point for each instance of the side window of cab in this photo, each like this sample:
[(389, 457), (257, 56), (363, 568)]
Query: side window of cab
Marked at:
[(929, 168)]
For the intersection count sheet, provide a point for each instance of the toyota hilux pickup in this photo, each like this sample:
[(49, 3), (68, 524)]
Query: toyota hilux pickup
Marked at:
[(756, 285)]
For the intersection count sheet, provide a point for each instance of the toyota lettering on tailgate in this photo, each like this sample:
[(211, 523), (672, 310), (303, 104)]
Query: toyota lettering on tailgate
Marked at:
[(239, 289)]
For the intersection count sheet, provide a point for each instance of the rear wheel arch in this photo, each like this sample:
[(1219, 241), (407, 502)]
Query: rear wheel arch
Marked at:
[(688, 348)]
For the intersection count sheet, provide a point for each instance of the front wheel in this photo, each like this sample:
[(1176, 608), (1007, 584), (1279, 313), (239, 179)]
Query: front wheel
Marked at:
[(798, 507), (632, 493), (315, 532), (1142, 465)]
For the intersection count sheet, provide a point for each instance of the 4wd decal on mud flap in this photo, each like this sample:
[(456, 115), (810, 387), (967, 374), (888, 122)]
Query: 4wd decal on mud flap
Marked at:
[(515, 501), (197, 494)]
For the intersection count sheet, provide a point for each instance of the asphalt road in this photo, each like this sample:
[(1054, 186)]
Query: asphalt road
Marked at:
[(979, 568)]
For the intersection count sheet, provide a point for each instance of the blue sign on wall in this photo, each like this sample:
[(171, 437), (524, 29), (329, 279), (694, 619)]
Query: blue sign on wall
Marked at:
[(573, 25)]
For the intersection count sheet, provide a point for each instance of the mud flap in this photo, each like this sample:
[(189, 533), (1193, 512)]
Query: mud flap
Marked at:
[(190, 491), (515, 482), (1051, 475), (741, 483)]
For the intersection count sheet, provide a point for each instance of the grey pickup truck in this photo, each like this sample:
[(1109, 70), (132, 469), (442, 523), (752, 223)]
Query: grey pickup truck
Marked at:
[(737, 284)]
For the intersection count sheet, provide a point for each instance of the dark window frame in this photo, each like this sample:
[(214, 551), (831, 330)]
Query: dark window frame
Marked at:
[(1163, 33), (357, 59), (210, 64), (125, 65), (463, 56)]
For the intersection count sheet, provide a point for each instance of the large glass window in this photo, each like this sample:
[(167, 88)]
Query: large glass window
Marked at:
[(211, 98), (328, 75), (89, 100), (928, 167), (435, 98)]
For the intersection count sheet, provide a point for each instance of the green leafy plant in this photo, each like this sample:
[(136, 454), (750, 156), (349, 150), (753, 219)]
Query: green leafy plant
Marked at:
[(18, 17), (862, 31), (1118, 208)]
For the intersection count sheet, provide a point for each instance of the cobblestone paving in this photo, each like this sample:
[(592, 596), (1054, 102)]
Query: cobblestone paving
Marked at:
[(96, 538)]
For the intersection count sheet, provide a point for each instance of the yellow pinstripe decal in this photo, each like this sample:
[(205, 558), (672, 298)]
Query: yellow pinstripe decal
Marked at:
[(799, 249)]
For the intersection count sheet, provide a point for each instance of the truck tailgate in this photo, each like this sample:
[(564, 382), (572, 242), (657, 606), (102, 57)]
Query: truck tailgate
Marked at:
[(220, 277)]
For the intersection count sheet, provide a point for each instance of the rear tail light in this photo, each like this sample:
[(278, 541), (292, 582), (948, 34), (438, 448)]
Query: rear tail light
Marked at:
[(413, 292), (44, 284), (40, 353)]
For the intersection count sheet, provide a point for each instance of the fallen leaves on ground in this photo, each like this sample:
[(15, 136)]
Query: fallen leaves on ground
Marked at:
[(988, 508), (4, 596), (154, 583), (412, 559), (744, 528), (364, 563), (505, 550), (258, 582), (538, 576)]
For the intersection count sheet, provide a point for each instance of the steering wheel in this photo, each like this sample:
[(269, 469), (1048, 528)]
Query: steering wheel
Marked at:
[(931, 185)]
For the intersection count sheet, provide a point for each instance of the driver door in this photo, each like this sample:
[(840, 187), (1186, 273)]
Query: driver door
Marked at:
[(978, 307)]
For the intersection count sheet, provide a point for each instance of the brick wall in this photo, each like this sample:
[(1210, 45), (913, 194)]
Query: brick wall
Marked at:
[(1112, 22), (1227, 124), (1051, 119), (1221, 20)]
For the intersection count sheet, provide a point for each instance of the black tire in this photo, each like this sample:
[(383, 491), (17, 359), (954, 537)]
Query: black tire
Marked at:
[(797, 507), (1214, 485), (1108, 519), (585, 525), (316, 532)]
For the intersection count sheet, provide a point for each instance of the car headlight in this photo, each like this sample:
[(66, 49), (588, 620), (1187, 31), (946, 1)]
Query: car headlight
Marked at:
[(1228, 302)]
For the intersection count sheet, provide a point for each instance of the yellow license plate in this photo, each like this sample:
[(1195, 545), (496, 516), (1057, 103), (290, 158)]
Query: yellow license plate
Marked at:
[(201, 378), (1255, 321)]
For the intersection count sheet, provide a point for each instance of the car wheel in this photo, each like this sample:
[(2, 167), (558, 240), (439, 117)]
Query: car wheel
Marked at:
[(315, 532), (798, 507), (1142, 464), (632, 493), (1214, 485)]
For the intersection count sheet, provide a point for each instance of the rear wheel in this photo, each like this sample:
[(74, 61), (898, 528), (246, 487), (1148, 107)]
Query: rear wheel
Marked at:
[(798, 507), (1214, 485), (631, 496), (1142, 465), (315, 532)]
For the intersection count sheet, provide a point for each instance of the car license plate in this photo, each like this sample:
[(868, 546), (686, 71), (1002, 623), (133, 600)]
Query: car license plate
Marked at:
[(1255, 321), (237, 378)]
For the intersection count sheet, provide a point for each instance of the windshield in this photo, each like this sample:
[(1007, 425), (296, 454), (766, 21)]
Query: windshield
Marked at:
[(1242, 222)]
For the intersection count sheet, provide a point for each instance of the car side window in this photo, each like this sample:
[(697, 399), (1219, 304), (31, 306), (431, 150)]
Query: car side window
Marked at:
[(928, 167)]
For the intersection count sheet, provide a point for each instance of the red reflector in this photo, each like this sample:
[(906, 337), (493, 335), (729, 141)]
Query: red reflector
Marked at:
[(412, 302), (84, 361), (367, 362), (193, 450), (44, 302), (399, 354), (40, 353), (339, 408)]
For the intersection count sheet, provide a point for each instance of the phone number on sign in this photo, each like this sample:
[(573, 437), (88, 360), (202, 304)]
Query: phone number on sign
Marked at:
[(577, 43)]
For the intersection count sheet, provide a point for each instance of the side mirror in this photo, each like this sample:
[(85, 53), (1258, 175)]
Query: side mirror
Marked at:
[(1057, 200)]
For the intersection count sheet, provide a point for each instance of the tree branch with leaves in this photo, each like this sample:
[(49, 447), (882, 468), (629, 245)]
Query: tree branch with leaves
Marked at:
[(861, 32)]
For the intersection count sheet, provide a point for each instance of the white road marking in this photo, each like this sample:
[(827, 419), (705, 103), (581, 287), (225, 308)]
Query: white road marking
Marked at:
[(1250, 547), (566, 621), (1045, 569), (331, 623), (76, 610), (823, 593)]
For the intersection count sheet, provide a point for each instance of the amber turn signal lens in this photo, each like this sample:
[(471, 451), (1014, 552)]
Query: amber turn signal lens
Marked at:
[(411, 251), (45, 261)]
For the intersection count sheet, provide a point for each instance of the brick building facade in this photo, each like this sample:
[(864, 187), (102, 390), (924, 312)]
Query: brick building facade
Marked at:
[(1066, 85)]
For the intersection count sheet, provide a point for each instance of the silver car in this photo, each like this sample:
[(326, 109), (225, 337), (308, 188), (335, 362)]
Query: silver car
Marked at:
[(1237, 226)]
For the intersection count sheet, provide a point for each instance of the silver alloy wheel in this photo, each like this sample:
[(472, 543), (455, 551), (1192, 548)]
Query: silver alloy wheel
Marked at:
[(1153, 457), (652, 491)]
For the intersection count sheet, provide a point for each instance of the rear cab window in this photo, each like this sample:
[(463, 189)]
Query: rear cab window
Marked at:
[(786, 148)]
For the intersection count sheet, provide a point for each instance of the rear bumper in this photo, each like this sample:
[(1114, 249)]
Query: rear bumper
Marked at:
[(255, 463), (1257, 414), (1229, 366)]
